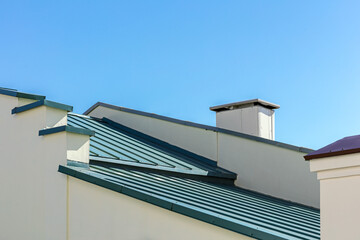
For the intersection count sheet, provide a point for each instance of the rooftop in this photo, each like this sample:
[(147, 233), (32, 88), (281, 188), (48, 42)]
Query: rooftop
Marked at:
[(343, 146), (148, 169), (132, 163), (202, 126)]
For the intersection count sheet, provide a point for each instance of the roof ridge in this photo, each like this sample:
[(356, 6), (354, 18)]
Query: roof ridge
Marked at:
[(203, 126)]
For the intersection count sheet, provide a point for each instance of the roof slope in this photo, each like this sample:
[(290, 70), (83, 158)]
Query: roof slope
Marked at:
[(117, 144), (236, 209), (202, 126), (343, 146), (140, 166)]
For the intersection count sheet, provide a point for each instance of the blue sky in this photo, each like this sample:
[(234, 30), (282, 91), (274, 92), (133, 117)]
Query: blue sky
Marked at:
[(178, 58)]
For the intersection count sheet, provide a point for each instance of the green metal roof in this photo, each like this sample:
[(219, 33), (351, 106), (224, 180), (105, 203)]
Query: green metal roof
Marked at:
[(117, 144), (125, 161), (236, 209), (39, 103), (15, 93), (140, 166)]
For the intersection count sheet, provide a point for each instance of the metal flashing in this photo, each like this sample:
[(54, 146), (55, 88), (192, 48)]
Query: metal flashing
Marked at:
[(346, 145), (15, 93), (219, 179), (65, 128), (73, 163), (42, 103), (242, 211), (202, 126), (256, 101)]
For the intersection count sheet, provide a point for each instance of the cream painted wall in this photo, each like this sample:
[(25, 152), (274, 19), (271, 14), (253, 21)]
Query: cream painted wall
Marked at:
[(261, 167), (253, 120), (340, 208), (269, 169), (33, 194), (339, 195), (98, 213), (78, 147)]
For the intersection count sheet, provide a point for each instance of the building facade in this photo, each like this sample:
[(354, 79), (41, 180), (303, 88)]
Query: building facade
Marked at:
[(118, 173)]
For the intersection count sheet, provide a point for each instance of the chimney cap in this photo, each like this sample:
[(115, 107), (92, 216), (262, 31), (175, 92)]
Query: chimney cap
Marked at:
[(233, 105)]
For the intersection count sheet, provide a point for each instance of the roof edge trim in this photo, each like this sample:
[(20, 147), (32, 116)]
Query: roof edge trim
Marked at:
[(258, 101), (14, 93), (39, 103), (202, 126), (214, 220), (223, 180), (332, 154), (65, 128)]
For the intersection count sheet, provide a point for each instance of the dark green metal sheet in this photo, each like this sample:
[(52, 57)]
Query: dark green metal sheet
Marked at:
[(117, 144), (233, 208)]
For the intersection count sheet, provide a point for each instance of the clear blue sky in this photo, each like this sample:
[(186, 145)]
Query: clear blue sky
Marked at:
[(177, 58)]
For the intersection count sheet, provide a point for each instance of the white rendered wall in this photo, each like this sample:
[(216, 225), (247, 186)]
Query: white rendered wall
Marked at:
[(340, 208), (253, 120), (261, 167), (269, 169), (33, 193), (98, 213), (339, 196)]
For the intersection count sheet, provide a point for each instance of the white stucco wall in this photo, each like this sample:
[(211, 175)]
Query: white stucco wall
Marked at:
[(261, 167), (269, 169), (33, 194), (98, 213), (253, 120), (339, 196)]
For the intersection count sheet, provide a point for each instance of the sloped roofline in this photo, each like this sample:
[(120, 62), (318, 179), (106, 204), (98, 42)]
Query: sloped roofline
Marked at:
[(346, 145), (202, 126), (15, 93), (217, 220)]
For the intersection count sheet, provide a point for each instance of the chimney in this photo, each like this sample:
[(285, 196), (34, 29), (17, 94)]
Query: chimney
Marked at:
[(255, 117)]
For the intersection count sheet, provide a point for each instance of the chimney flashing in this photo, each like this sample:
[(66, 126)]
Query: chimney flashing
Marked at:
[(244, 104)]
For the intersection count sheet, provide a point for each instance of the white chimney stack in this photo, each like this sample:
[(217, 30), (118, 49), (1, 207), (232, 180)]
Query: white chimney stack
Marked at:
[(255, 117)]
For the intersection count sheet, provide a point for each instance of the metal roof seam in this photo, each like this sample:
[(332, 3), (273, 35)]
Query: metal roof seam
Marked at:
[(270, 232)]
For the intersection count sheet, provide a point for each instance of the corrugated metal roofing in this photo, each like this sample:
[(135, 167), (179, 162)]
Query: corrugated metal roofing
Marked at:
[(128, 147), (233, 208)]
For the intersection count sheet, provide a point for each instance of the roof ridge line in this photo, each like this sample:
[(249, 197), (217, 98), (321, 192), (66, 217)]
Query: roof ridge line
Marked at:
[(202, 126), (15, 93), (39, 103)]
